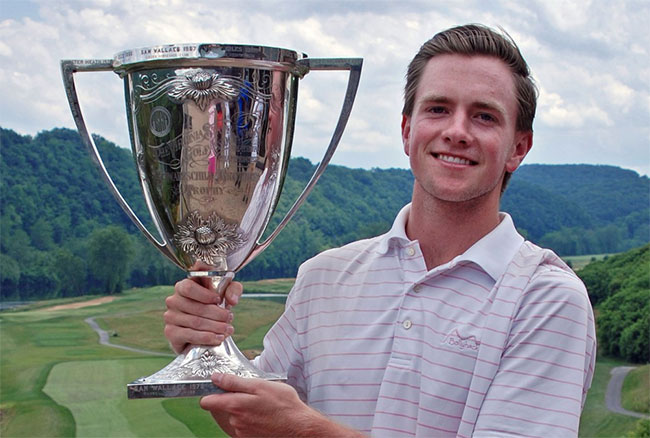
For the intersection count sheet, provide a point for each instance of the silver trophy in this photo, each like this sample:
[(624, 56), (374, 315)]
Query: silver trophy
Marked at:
[(211, 129)]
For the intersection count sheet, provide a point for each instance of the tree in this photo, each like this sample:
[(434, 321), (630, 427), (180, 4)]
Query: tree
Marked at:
[(110, 251), (41, 233), (9, 277), (70, 271)]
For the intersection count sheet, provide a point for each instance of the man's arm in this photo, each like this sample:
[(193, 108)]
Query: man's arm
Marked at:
[(547, 363), (254, 408)]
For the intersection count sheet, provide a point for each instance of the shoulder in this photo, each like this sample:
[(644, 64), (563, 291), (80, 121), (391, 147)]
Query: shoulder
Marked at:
[(551, 281)]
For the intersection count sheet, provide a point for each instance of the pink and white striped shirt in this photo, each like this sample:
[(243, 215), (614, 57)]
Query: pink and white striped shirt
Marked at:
[(500, 341)]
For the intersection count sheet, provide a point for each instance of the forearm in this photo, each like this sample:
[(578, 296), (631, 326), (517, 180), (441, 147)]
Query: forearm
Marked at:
[(316, 425)]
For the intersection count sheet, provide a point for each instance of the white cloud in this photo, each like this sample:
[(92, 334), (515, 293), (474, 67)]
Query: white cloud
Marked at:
[(554, 111), (620, 94), (589, 58)]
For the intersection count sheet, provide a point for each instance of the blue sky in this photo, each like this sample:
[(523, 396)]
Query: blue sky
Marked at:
[(589, 58)]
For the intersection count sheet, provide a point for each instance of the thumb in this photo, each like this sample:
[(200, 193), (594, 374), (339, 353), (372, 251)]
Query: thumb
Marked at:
[(232, 383)]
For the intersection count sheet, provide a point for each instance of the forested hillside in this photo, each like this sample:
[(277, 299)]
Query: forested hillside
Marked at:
[(63, 234), (619, 288), (584, 209)]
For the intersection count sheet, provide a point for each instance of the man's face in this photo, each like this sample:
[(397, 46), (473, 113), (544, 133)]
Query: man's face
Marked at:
[(461, 137)]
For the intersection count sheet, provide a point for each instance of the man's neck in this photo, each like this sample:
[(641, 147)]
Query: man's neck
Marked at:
[(447, 229)]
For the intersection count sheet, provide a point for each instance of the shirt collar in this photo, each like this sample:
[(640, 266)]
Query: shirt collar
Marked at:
[(397, 233), (492, 252)]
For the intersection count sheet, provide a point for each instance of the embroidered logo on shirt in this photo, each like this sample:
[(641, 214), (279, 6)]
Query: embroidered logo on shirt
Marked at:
[(458, 342)]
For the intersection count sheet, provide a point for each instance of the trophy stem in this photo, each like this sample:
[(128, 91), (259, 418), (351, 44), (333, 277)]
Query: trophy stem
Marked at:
[(189, 374)]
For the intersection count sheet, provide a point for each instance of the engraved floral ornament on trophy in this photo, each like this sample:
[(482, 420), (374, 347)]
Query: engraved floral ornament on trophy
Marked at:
[(211, 128)]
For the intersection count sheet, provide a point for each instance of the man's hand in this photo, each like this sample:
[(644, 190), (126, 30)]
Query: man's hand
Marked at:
[(194, 315), (260, 408)]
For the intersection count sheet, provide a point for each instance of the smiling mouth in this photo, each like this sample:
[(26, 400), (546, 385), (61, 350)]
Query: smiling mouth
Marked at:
[(454, 160)]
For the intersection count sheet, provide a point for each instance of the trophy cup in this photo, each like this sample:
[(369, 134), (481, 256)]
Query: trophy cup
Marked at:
[(211, 128)]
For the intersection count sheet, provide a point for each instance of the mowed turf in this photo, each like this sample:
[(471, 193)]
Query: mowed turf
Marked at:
[(635, 396), (94, 392), (57, 380), (596, 421)]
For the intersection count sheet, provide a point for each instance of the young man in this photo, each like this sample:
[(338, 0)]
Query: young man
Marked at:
[(448, 325)]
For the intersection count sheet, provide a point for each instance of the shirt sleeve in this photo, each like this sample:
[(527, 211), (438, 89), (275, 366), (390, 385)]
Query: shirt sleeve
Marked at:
[(282, 352), (547, 363)]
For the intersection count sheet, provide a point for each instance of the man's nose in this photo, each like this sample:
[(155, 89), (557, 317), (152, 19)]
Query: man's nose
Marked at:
[(457, 131)]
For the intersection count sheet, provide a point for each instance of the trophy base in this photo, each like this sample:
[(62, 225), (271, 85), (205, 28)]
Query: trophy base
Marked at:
[(189, 374)]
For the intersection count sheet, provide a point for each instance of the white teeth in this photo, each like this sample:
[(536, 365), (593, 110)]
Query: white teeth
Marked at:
[(455, 160)]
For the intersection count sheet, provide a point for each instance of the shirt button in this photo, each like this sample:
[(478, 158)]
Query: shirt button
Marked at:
[(407, 324), (410, 251), (417, 288)]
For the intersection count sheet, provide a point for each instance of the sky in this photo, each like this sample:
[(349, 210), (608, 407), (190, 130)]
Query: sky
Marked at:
[(589, 59)]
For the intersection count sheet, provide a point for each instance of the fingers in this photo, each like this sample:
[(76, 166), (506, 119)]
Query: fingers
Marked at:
[(199, 289), (181, 304), (233, 293), (192, 288), (182, 329), (180, 337), (193, 315)]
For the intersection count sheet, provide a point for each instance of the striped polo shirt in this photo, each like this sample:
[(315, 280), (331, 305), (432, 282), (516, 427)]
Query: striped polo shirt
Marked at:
[(499, 341)]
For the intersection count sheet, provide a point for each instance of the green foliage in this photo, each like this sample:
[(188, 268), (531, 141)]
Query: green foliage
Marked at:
[(346, 204), (620, 286), (70, 272), (628, 270), (53, 200), (109, 255), (605, 193), (580, 209), (642, 429)]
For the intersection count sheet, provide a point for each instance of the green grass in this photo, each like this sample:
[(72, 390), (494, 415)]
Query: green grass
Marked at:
[(635, 395), (596, 420), (579, 262), (271, 286), (94, 392), (202, 424), (56, 380), (30, 348)]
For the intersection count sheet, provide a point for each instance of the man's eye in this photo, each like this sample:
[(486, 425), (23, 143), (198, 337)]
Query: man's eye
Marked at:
[(487, 117), (437, 109)]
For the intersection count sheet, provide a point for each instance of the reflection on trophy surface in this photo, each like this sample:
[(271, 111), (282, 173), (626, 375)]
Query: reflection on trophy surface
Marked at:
[(211, 129)]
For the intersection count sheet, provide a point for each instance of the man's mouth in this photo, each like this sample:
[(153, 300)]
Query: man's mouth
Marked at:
[(454, 160)]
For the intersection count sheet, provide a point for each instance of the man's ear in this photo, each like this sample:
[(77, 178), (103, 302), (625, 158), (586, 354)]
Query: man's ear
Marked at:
[(406, 130), (523, 143)]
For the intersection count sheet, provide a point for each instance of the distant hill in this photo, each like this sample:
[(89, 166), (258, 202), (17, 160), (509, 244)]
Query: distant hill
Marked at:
[(53, 202), (605, 193)]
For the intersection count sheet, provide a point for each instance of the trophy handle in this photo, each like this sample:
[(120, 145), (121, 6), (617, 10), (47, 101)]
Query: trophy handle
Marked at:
[(68, 69), (303, 67)]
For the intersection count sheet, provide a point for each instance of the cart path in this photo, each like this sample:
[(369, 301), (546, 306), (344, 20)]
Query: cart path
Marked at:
[(104, 339), (613, 394)]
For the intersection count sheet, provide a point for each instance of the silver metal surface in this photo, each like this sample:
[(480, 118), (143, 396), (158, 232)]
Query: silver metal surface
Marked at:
[(211, 129)]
